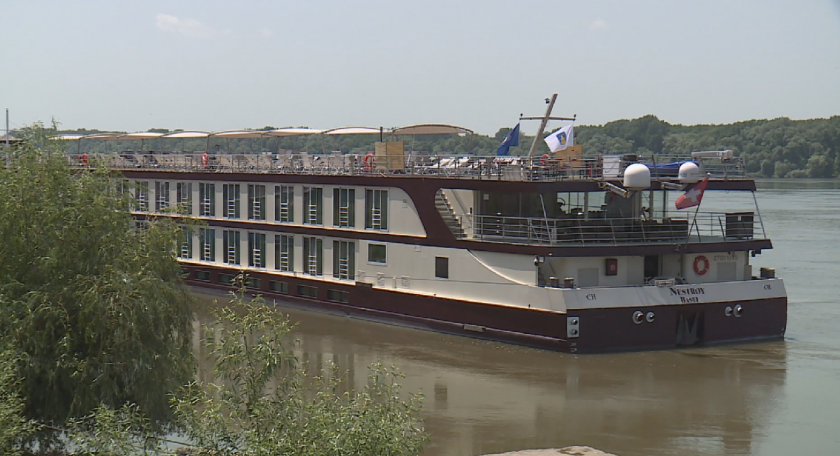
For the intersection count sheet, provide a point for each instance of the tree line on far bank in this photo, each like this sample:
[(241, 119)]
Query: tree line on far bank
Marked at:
[(770, 148)]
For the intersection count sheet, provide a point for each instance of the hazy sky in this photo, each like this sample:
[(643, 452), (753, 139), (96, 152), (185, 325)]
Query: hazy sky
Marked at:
[(219, 65)]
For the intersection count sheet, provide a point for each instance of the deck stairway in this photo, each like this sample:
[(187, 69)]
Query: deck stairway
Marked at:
[(448, 215)]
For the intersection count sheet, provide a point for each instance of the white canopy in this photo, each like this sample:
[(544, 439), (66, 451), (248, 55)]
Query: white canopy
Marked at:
[(353, 131), (141, 135), (239, 134), (292, 132), (431, 129), (187, 134)]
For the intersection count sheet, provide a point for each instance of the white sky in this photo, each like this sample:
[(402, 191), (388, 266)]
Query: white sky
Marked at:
[(218, 65)]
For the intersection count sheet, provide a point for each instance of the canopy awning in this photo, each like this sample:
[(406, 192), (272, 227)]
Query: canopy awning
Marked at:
[(67, 137), (105, 136), (187, 134), (239, 134), (353, 131), (293, 132), (431, 129), (142, 135)]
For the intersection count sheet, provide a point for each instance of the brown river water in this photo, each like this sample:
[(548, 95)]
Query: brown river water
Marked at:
[(776, 398)]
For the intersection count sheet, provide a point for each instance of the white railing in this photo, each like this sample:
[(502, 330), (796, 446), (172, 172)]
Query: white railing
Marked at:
[(684, 228)]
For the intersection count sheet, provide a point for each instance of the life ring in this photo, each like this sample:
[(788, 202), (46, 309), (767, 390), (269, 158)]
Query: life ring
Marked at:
[(205, 160), (370, 160), (701, 265), (544, 159), (83, 159)]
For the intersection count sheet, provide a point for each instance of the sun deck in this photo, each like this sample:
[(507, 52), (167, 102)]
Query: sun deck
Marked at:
[(522, 169)]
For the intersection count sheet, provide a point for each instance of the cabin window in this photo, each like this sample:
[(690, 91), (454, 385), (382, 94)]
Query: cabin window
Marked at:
[(305, 290), (344, 207), (230, 194), (256, 250), (284, 252), (338, 296), (313, 201), (251, 282), (284, 203), (344, 260), (141, 196), (207, 196), (279, 287), (227, 279), (202, 275), (123, 187), (376, 209), (442, 267), (256, 202), (377, 253), (186, 243), (230, 246), (161, 196), (313, 252), (184, 195), (207, 239)]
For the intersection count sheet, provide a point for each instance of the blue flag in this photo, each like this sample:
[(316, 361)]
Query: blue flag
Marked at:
[(512, 139)]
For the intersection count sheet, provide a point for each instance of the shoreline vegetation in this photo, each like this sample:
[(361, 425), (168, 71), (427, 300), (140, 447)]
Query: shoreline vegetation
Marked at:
[(780, 148)]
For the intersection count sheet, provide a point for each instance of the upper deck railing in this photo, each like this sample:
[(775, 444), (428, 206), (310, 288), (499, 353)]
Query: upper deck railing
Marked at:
[(527, 169), (680, 228)]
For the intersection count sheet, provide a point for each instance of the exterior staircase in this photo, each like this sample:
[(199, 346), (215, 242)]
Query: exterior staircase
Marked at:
[(448, 215)]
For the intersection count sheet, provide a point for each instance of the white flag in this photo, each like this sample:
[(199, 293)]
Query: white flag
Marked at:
[(561, 139)]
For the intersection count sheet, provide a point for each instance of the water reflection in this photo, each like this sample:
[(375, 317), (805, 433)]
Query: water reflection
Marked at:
[(484, 397)]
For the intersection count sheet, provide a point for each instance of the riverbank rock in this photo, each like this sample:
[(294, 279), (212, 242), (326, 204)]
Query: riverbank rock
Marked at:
[(567, 451)]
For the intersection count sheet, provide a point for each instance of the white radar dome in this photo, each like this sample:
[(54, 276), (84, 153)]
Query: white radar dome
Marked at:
[(637, 177), (689, 173)]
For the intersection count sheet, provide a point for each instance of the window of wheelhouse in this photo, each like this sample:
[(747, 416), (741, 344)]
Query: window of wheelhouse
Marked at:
[(230, 196), (141, 196), (313, 202), (161, 196), (344, 207), (256, 250), (256, 202), (313, 256), (207, 241), (344, 260), (207, 197), (230, 246), (183, 191), (284, 203), (284, 252), (376, 209)]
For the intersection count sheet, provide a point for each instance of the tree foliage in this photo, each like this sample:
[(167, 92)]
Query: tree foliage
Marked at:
[(263, 403), (94, 308)]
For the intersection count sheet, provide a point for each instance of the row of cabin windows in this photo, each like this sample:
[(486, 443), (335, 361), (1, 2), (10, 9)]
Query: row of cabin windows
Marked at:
[(344, 203), (276, 286), (344, 252)]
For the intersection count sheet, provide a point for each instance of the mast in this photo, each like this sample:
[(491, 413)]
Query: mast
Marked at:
[(542, 125), (7, 127)]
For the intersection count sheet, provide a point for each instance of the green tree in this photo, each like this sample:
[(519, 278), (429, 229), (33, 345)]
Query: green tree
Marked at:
[(263, 402), (14, 428), (95, 308)]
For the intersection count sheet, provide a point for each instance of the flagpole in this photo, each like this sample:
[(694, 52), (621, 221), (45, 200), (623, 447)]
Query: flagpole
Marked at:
[(694, 221), (542, 125)]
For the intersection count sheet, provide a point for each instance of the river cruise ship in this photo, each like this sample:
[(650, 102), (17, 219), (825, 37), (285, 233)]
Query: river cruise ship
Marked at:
[(566, 251)]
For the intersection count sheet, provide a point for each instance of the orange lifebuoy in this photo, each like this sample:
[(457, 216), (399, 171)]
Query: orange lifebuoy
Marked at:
[(83, 159), (544, 159), (205, 160), (701, 265), (370, 160)]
